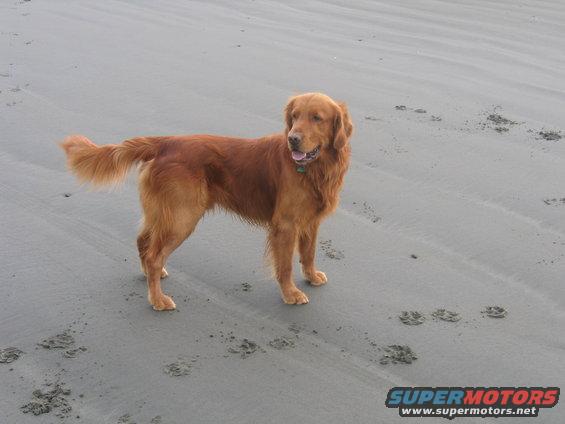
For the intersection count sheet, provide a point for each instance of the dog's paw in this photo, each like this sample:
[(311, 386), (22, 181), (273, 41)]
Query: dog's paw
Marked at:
[(163, 303), (318, 278), (295, 297)]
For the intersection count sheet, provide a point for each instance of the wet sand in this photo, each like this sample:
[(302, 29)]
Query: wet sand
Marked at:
[(454, 202)]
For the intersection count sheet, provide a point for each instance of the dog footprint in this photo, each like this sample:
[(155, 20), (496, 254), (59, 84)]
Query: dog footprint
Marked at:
[(330, 251)]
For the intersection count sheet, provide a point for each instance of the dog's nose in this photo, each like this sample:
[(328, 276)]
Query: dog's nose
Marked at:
[(294, 140)]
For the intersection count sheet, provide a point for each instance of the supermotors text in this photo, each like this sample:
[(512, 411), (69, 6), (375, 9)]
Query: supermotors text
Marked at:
[(452, 402)]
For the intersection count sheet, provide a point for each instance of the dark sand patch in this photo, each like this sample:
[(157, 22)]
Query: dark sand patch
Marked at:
[(228, 337), (237, 288), (156, 420), (497, 119), (58, 341), (369, 212), (550, 135), (400, 107), (10, 354), (245, 348), (554, 201), (126, 419), (445, 315), (330, 251), (295, 328), (370, 118), (420, 110), (73, 353), (134, 295), (179, 368), (44, 402), (435, 118), (397, 354), (281, 343), (498, 122), (495, 311), (411, 317)]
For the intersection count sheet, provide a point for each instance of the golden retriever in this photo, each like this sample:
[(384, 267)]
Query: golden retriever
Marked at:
[(286, 182)]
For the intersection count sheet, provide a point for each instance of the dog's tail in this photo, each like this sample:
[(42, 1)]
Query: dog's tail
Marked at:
[(108, 164)]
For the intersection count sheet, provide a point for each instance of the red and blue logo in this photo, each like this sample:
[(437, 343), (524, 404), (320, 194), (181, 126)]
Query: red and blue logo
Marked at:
[(452, 402)]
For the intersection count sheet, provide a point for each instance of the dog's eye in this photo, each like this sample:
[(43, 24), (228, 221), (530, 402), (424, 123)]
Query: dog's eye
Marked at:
[(316, 118)]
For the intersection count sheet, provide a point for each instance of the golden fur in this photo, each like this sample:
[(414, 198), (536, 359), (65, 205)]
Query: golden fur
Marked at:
[(260, 180)]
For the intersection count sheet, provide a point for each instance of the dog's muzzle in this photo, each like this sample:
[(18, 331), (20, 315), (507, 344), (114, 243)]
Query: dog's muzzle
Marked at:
[(302, 158)]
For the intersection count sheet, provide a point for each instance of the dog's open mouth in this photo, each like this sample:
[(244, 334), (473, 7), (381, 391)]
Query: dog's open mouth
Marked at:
[(302, 158)]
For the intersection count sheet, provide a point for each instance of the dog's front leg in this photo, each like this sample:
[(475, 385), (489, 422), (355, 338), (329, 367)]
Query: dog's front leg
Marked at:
[(282, 241), (307, 249)]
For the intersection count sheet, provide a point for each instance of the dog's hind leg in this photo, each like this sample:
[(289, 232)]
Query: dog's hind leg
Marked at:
[(171, 213), (142, 246), (164, 237)]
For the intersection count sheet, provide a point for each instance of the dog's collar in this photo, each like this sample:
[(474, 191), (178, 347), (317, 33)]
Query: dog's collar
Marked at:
[(301, 169)]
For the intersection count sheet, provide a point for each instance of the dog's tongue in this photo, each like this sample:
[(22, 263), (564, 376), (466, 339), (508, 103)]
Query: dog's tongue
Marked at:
[(296, 155)]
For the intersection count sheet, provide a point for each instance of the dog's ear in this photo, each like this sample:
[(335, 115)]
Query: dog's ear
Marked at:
[(288, 113), (343, 128)]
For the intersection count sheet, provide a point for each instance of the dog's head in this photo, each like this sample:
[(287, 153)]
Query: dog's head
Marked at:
[(315, 125)]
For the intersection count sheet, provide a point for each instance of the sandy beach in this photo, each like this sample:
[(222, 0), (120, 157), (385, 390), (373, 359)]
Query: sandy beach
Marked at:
[(454, 202)]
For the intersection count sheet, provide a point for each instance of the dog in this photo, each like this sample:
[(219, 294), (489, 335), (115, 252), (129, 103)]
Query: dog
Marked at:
[(287, 182)]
